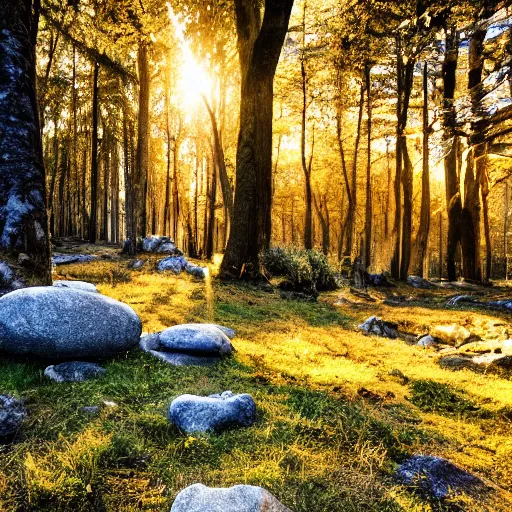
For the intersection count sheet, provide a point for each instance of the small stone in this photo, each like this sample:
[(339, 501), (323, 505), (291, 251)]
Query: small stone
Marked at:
[(108, 403), (191, 413), (12, 414), (426, 341), (195, 270), (74, 371), (437, 478), (76, 285), (457, 362), (135, 264), (239, 498), (379, 327), (91, 409), (403, 379)]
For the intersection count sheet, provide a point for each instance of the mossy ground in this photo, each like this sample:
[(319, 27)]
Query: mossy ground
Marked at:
[(332, 422)]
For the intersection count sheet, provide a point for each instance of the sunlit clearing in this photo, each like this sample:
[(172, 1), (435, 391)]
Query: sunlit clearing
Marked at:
[(194, 80)]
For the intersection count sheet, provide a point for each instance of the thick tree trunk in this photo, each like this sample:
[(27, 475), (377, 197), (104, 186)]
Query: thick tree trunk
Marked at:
[(142, 164), (424, 228), (452, 185), (94, 158), (23, 215), (259, 51), (368, 213)]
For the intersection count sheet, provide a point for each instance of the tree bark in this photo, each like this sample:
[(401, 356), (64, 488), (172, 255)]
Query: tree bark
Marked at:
[(424, 228), (259, 51), (23, 215), (94, 158), (368, 213), (452, 186)]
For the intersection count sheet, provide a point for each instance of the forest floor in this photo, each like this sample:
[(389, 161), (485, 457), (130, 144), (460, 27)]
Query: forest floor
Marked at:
[(332, 423)]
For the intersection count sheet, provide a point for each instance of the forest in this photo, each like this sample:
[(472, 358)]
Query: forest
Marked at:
[(282, 228)]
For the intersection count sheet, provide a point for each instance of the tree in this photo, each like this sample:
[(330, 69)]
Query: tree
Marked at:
[(23, 217), (259, 47)]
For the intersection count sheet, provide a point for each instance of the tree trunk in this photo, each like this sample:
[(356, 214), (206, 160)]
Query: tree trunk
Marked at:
[(259, 51), (424, 228), (94, 158), (453, 197), (23, 215), (369, 213), (212, 198), (141, 177)]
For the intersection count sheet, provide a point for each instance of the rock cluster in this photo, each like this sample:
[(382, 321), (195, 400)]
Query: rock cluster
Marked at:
[(191, 413), (178, 264), (64, 323), (159, 244), (189, 344), (239, 498)]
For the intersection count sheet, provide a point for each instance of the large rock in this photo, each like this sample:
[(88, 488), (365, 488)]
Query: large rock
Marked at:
[(76, 285), (176, 264), (437, 478), (12, 414), (67, 259), (74, 371), (159, 244), (379, 327), (239, 498), (192, 413), (419, 282), (62, 323), (196, 339), (452, 334)]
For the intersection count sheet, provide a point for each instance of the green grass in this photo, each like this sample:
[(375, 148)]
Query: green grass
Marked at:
[(317, 444)]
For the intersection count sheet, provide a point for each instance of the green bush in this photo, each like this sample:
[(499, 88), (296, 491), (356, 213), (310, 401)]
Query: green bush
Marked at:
[(305, 271)]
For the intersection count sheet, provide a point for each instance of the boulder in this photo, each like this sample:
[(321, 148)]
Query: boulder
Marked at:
[(192, 413), (231, 333), (239, 498), (66, 259), (181, 359), (437, 478), (176, 264), (461, 299), (419, 282), (76, 285), (379, 327), (505, 304), (452, 334), (195, 270), (457, 362), (74, 371), (12, 414), (63, 323), (195, 339), (136, 264), (159, 244), (151, 243), (426, 341)]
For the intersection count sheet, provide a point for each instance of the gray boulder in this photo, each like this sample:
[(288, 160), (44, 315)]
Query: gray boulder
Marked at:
[(195, 270), (62, 323), (12, 414), (176, 264), (192, 413), (419, 282), (67, 259), (159, 244), (180, 359), (136, 264), (151, 243), (76, 285), (239, 498), (426, 341), (74, 371), (438, 478), (231, 333), (379, 327), (196, 339)]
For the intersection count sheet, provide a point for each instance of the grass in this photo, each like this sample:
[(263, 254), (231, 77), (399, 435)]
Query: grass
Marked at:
[(332, 421)]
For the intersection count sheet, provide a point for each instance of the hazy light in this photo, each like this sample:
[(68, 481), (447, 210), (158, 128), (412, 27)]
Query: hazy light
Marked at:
[(194, 80)]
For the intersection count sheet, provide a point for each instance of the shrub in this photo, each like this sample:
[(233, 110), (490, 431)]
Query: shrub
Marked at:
[(305, 271)]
